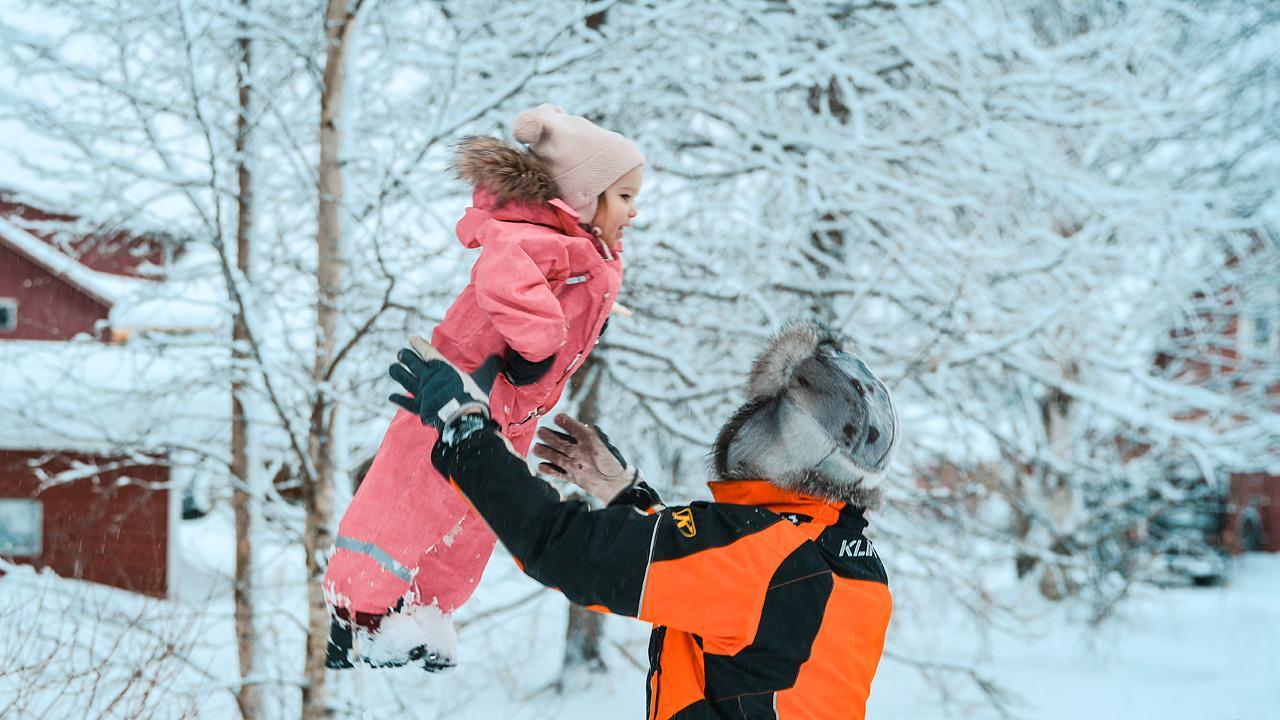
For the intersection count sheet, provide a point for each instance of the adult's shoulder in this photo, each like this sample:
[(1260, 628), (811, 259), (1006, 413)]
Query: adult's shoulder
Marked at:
[(750, 531), (850, 553)]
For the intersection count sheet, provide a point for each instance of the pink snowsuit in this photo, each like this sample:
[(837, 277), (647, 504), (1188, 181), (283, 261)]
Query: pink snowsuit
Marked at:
[(542, 286)]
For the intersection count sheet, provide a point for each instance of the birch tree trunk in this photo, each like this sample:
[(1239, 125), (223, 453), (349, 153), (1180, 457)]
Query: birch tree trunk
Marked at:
[(248, 696), (340, 16), (1058, 495), (583, 633)]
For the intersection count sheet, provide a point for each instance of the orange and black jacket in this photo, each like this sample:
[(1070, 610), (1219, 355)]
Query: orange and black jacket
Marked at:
[(765, 603)]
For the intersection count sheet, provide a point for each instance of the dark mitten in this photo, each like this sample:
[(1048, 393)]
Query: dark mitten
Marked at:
[(439, 391), (519, 371)]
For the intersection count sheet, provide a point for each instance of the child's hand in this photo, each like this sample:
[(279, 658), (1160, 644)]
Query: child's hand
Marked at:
[(584, 456), (440, 392)]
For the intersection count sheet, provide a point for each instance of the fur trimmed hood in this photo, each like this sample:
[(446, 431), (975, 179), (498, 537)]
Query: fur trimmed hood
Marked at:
[(816, 420), (509, 173)]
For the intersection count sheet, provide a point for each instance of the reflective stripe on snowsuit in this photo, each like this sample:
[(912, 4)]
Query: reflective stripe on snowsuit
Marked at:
[(380, 556)]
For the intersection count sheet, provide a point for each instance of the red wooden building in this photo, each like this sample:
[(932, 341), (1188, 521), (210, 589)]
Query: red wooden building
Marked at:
[(1240, 357), (1243, 360), (91, 510)]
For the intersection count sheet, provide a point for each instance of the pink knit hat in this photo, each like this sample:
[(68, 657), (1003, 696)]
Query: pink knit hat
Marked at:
[(584, 159)]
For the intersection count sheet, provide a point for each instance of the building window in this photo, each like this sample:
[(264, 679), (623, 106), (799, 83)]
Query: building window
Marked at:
[(8, 314), (21, 527)]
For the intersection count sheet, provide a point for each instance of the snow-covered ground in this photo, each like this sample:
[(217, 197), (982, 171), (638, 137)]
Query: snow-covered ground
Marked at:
[(1180, 653)]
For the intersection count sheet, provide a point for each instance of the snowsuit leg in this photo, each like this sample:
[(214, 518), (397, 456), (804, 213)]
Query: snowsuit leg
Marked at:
[(409, 528), (450, 570), (402, 507)]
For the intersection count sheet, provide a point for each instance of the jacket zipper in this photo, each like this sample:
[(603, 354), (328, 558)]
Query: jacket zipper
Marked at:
[(538, 411), (569, 368), (654, 684)]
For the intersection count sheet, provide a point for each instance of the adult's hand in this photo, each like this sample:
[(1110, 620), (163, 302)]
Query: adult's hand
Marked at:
[(583, 455)]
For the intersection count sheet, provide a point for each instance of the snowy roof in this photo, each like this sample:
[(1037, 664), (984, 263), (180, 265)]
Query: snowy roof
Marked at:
[(104, 288), (190, 299), (89, 396)]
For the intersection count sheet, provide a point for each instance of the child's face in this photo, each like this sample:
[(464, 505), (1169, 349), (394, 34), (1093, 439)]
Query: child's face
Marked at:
[(617, 206)]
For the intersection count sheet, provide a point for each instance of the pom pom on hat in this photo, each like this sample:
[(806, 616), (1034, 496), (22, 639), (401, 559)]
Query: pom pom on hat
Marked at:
[(583, 158), (527, 127)]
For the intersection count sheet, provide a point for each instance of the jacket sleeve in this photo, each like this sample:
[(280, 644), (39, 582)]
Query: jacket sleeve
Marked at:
[(512, 288), (702, 568), (639, 496)]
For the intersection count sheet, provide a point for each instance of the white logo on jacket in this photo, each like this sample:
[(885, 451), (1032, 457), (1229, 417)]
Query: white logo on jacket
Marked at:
[(857, 548)]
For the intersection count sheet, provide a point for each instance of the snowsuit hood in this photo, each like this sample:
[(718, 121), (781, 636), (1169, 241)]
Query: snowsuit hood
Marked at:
[(511, 185)]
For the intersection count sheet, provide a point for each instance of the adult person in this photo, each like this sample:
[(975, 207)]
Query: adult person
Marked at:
[(769, 602)]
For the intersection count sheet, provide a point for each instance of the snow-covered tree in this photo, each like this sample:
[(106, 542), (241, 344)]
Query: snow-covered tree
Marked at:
[(1019, 210)]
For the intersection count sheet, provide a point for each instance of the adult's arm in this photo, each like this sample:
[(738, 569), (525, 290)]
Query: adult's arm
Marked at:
[(703, 568)]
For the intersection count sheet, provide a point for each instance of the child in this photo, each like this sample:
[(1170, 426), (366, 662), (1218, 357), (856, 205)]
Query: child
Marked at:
[(549, 221)]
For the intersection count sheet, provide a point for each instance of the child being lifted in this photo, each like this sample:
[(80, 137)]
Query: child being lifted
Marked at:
[(548, 219)]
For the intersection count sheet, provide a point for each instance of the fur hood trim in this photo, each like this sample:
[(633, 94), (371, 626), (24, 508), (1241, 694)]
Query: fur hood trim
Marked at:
[(774, 368), (509, 173)]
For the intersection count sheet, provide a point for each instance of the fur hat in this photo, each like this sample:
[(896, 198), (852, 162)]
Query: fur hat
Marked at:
[(816, 420), (583, 158)]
